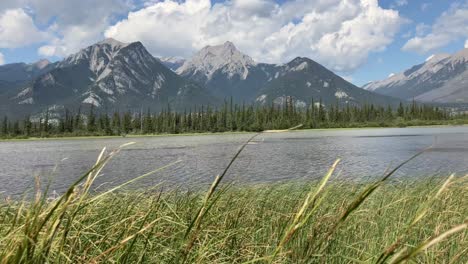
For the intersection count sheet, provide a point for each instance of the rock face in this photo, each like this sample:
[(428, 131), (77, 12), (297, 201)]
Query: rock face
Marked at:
[(111, 75), (226, 72), (442, 78)]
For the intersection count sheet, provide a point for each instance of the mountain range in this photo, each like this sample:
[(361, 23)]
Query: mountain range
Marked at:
[(111, 75), (227, 72), (442, 78)]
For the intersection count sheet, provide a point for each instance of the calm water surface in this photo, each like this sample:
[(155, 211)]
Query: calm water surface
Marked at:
[(272, 157)]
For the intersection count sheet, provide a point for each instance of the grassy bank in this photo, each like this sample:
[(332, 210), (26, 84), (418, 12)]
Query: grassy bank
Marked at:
[(129, 136), (311, 222)]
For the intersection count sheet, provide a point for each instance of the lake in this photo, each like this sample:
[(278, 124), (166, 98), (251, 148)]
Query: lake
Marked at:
[(272, 157)]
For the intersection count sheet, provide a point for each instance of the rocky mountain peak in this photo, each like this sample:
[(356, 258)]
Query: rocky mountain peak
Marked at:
[(437, 57), (229, 45), (225, 57), (112, 42), (97, 55), (298, 64)]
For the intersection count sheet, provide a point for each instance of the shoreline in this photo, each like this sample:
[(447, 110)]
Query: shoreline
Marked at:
[(220, 133)]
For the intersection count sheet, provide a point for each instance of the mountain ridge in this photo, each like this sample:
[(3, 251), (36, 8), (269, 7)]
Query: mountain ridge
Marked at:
[(110, 75), (17, 74), (442, 78), (305, 80)]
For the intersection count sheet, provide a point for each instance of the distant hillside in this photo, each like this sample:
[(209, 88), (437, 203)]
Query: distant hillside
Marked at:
[(442, 78), (304, 79), (17, 74), (172, 63)]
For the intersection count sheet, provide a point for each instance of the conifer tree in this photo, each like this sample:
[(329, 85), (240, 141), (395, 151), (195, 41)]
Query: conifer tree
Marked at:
[(91, 120), (5, 126)]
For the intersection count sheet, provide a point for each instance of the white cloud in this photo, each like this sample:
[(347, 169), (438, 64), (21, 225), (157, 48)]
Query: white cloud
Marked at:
[(399, 3), (407, 35), (77, 23), (425, 6), (421, 29), (17, 29), (166, 28), (71, 38), (452, 25), (2, 59), (11, 4), (466, 44), (338, 33)]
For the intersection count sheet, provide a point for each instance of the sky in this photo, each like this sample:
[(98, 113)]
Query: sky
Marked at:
[(361, 40)]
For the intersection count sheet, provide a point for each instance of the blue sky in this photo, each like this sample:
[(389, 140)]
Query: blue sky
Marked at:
[(362, 40), (394, 59)]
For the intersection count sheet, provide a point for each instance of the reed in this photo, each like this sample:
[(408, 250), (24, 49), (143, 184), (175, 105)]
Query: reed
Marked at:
[(326, 221)]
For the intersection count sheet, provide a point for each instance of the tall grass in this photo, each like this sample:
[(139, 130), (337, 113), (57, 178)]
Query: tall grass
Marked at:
[(310, 222)]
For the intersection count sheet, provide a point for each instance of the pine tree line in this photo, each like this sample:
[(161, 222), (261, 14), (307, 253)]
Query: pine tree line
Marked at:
[(229, 117)]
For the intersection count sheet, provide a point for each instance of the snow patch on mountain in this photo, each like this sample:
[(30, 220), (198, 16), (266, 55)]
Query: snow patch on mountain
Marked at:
[(300, 67), (92, 99), (103, 74), (23, 93), (430, 57), (158, 83), (341, 94), (29, 100), (261, 98), (105, 89)]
